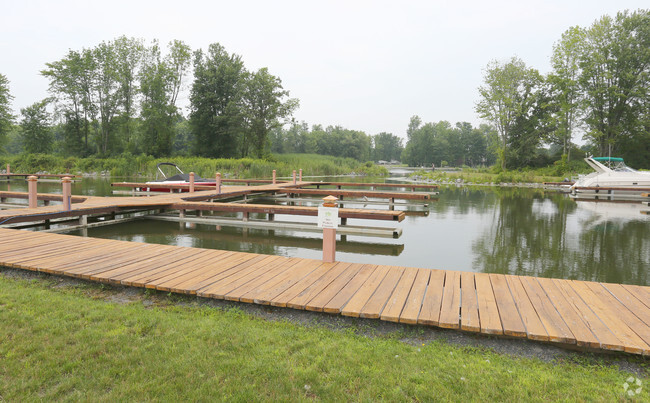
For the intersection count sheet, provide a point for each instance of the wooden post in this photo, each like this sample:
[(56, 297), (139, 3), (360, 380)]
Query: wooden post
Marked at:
[(274, 176), (191, 182), (218, 180), (8, 170), (31, 188), (300, 176), (329, 234), (67, 193)]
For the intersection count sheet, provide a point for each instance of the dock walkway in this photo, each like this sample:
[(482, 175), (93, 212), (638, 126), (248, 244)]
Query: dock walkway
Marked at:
[(588, 315)]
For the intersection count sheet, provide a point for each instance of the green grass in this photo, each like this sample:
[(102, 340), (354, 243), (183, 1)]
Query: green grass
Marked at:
[(143, 165), (72, 343)]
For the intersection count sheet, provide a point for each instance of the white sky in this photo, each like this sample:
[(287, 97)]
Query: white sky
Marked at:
[(365, 65)]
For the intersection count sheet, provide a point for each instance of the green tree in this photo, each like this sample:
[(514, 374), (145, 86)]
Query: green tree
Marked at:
[(6, 116), (506, 98), (128, 57), (615, 65), (265, 107), (565, 86), (36, 132), (216, 116), (386, 147)]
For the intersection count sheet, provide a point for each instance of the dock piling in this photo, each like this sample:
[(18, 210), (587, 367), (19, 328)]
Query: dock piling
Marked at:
[(31, 188), (294, 176), (300, 175), (191, 182), (218, 180), (67, 193), (274, 176), (329, 232)]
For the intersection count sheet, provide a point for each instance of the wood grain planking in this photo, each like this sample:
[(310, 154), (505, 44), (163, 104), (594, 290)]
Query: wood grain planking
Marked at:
[(469, 318), (225, 276), (182, 272), (218, 291), (628, 317), (247, 292), (337, 303), (450, 306), (630, 301), (372, 309), (413, 303), (581, 332), (607, 339), (301, 300), (508, 312), (558, 331), (535, 329), (287, 280), (356, 303), (632, 342), (488, 310), (395, 304), (319, 301), (296, 288), (432, 302), (640, 292), (142, 274)]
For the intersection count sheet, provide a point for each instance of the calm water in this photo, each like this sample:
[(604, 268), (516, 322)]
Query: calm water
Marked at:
[(510, 231)]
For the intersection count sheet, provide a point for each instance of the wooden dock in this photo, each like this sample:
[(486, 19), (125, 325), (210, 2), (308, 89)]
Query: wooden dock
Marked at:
[(586, 315)]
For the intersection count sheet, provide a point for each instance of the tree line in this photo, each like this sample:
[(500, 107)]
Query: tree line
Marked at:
[(598, 87), (122, 96)]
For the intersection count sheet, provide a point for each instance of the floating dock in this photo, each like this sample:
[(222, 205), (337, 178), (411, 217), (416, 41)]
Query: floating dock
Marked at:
[(582, 314)]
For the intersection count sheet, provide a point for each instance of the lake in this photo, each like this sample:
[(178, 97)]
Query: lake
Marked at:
[(492, 230)]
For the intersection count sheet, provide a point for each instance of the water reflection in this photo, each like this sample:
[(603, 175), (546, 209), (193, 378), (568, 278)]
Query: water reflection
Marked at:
[(554, 236)]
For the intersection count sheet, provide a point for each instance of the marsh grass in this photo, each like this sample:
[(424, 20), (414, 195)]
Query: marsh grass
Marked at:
[(145, 166), (73, 343)]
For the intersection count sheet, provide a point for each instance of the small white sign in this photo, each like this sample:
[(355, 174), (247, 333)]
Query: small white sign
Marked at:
[(328, 217)]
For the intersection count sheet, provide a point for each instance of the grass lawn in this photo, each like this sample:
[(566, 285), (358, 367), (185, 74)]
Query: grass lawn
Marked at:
[(73, 343)]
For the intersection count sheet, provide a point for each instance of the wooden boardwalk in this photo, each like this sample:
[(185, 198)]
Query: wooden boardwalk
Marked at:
[(584, 314)]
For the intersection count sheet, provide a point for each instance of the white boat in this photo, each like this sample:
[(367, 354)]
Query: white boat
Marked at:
[(612, 173)]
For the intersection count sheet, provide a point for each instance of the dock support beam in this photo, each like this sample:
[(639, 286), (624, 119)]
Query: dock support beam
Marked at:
[(294, 176), (218, 180), (31, 188), (191, 182), (300, 175), (274, 176), (67, 193)]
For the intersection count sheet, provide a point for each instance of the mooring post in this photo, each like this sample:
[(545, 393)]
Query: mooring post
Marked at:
[(218, 180), (31, 188), (274, 176), (300, 175), (8, 170), (328, 220), (191, 182), (67, 193), (294, 176)]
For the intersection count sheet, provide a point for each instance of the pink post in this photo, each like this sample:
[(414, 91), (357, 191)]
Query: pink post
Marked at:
[(31, 188), (294, 176), (8, 169), (218, 180), (67, 193), (329, 234), (300, 176), (274, 176), (191, 182)]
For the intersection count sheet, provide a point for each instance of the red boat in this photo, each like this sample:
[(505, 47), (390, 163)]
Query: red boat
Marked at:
[(179, 178)]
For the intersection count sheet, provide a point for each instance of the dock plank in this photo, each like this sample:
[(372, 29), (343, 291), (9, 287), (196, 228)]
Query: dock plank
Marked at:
[(397, 300), (372, 309), (450, 307), (432, 302), (413, 304), (557, 330), (358, 301), (508, 312), (320, 300), (469, 318), (487, 306), (535, 329)]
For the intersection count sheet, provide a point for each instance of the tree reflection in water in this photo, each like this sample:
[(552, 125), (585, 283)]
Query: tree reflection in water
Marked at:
[(553, 236)]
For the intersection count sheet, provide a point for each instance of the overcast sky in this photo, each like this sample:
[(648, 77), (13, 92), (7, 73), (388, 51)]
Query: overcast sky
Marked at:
[(365, 65)]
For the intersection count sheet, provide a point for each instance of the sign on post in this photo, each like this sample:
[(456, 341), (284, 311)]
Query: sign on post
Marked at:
[(328, 217)]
